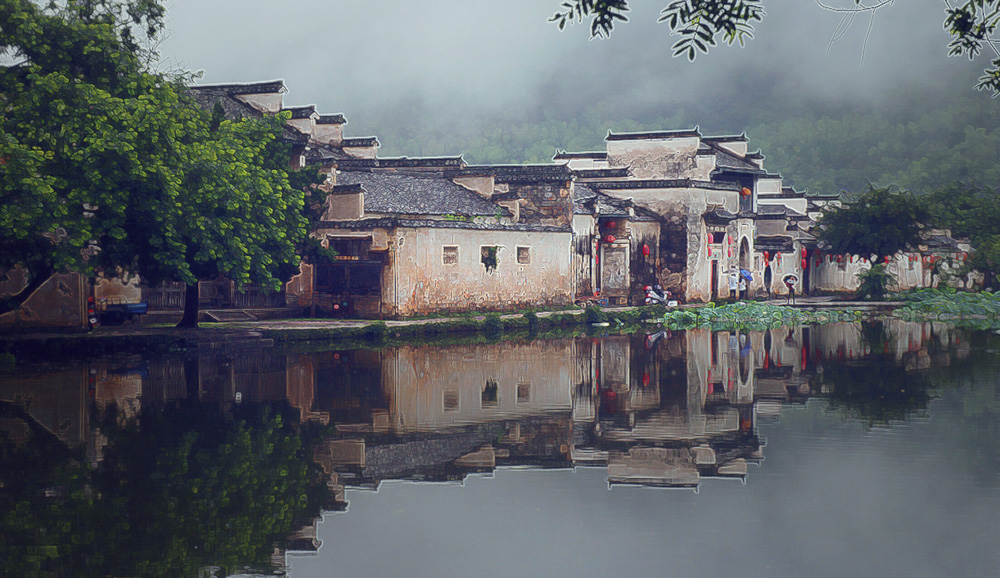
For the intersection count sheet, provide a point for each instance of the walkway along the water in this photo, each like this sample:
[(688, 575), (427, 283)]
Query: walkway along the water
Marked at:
[(264, 333)]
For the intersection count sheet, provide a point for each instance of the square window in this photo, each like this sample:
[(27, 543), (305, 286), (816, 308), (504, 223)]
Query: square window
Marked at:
[(523, 255), (449, 255)]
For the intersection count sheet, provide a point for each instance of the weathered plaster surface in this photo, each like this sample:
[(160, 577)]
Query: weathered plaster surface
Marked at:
[(421, 283), (429, 389), (674, 158)]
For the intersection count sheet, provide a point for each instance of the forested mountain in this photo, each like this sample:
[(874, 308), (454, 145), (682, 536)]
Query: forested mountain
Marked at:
[(913, 139)]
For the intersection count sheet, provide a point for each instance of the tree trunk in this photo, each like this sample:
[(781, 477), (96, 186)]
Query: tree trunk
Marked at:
[(190, 317)]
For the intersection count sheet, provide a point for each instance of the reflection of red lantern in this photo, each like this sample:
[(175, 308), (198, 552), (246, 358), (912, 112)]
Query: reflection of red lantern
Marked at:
[(645, 250), (645, 380), (818, 262), (840, 258), (609, 239), (886, 258)]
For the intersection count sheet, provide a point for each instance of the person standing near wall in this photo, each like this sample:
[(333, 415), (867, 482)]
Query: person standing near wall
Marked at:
[(734, 284), (790, 284)]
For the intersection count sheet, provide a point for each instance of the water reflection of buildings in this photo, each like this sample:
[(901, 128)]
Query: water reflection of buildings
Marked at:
[(666, 410)]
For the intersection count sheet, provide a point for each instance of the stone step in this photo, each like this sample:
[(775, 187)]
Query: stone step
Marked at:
[(228, 315)]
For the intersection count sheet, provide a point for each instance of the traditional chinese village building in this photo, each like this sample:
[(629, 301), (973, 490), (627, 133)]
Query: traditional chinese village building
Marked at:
[(418, 236)]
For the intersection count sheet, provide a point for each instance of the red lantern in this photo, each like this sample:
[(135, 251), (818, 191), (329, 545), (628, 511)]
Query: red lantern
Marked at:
[(609, 239), (746, 192), (805, 253), (805, 263), (840, 258), (766, 255), (645, 250), (886, 258), (709, 251), (611, 224)]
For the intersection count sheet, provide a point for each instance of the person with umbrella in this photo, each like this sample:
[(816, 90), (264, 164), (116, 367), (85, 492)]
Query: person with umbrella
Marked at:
[(790, 281), (745, 279)]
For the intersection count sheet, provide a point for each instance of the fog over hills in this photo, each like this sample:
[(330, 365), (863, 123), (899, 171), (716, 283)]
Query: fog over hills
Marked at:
[(504, 85)]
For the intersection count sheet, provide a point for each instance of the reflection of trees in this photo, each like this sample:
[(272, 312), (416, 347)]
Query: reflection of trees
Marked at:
[(876, 390), (177, 491)]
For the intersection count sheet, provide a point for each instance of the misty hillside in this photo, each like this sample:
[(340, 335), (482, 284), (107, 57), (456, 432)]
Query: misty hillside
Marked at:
[(915, 140)]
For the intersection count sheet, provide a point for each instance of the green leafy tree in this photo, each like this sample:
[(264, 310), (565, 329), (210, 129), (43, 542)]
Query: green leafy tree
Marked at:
[(109, 167), (876, 224), (699, 23), (970, 211), (179, 489)]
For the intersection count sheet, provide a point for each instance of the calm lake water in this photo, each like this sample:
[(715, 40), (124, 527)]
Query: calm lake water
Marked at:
[(836, 450)]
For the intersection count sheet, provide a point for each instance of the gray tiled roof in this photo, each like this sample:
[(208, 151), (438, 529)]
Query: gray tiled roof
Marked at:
[(418, 195), (389, 222), (659, 134), (266, 87), (207, 96), (773, 243), (726, 160), (778, 211), (518, 173), (318, 154), (301, 111), (666, 184), (364, 141), (742, 137), (331, 119), (596, 155), (617, 173), (441, 163), (719, 215)]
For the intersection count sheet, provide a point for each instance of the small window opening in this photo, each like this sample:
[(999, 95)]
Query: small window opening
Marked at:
[(451, 400), (491, 393), (449, 255), (489, 257), (523, 255)]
